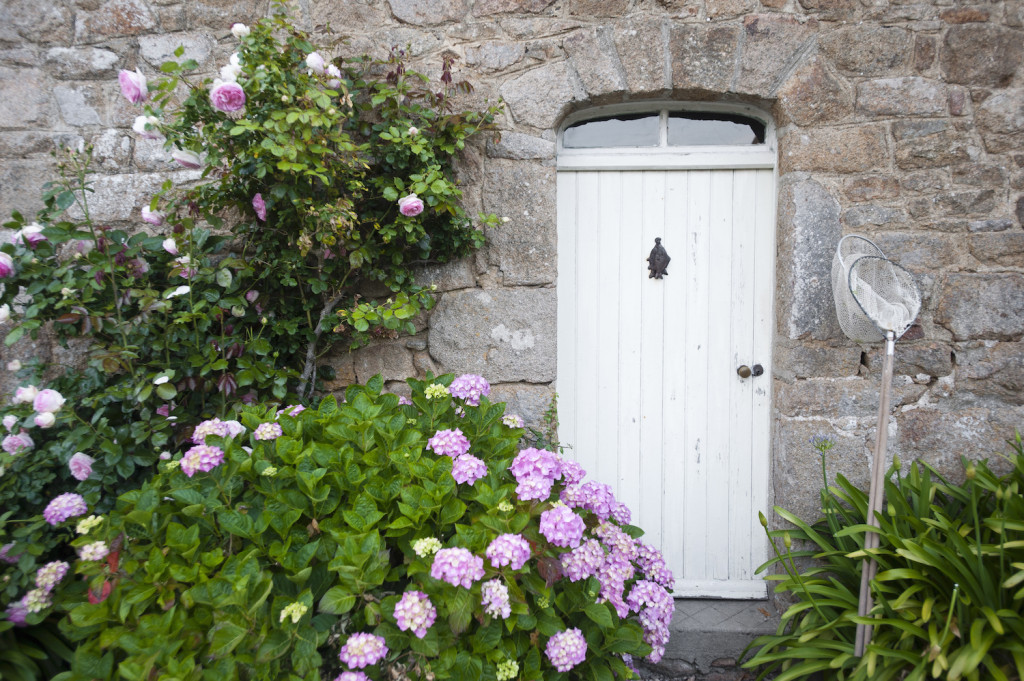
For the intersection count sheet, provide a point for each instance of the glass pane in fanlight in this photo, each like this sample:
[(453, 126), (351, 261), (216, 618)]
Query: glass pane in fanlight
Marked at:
[(615, 131), (697, 129)]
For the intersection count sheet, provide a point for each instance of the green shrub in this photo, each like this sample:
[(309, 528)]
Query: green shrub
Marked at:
[(264, 566), (245, 278), (949, 592)]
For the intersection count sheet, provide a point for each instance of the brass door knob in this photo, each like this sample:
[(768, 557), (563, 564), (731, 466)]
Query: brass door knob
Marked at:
[(744, 371)]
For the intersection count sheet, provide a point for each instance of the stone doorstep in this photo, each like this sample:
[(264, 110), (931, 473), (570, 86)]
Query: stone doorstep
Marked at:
[(708, 637)]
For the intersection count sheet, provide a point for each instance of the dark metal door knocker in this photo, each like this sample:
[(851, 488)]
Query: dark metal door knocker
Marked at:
[(657, 261)]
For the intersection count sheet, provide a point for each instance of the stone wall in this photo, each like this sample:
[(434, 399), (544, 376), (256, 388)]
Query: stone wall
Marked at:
[(901, 120)]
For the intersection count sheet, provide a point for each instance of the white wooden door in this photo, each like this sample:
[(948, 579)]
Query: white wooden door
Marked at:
[(650, 401)]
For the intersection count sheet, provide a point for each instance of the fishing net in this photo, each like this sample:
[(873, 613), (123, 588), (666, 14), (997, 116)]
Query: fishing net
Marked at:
[(873, 295)]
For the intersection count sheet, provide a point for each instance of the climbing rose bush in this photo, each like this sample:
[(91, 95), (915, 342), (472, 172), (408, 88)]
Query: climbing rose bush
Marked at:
[(344, 547)]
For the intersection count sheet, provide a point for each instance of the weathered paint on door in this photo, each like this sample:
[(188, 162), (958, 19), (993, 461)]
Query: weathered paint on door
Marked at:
[(649, 396)]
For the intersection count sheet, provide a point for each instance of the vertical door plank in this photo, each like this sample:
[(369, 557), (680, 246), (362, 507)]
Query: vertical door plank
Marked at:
[(631, 277), (695, 518), (674, 482), (606, 316), (764, 276), (651, 367), (741, 390), (587, 319), (567, 200), (721, 374)]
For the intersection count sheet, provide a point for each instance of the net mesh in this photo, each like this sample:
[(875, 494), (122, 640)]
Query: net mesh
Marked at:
[(873, 295)]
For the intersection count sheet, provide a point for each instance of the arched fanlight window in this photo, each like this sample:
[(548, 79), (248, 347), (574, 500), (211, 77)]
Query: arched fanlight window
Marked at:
[(641, 134), (671, 128)]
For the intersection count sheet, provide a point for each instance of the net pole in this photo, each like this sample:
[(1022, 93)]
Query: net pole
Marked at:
[(877, 491)]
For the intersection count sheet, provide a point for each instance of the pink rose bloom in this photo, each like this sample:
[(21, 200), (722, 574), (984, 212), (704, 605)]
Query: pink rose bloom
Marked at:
[(189, 159), (133, 86), (147, 127), (48, 401), (315, 62), (45, 420), (10, 421), (25, 393), (16, 444), (251, 296), (170, 246), (81, 465), (32, 235), (153, 217), (227, 96), (334, 73), (260, 207), (410, 205), (6, 265)]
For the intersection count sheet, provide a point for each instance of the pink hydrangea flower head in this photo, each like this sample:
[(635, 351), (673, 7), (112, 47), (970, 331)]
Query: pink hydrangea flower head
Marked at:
[(533, 462), (561, 526), (37, 600), (415, 613), (617, 541), (24, 394), (599, 499), (48, 401), (362, 650), (81, 465), (260, 206), (494, 598), (51, 574), (17, 443), (457, 566), (583, 561), (187, 158), (227, 96), (201, 458), (513, 421), (352, 676), (68, 505), (234, 428), (470, 388), (45, 420), (534, 487), (133, 86), (449, 443), (96, 550), (572, 472), (6, 265), (212, 426), (621, 513), (153, 217), (509, 549), (17, 611), (467, 469), (5, 554), (572, 496), (403, 400), (410, 206), (566, 649), (268, 431)]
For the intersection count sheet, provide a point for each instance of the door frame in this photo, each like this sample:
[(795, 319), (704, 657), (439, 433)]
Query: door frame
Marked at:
[(685, 158)]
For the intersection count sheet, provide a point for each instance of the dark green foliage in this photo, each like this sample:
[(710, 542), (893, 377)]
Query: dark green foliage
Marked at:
[(949, 593)]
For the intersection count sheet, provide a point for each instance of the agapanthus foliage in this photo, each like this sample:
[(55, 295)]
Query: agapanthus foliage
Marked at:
[(236, 277), (362, 555)]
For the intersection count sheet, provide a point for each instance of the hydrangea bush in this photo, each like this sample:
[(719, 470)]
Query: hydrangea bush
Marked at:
[(341, 545), (315, 178)]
